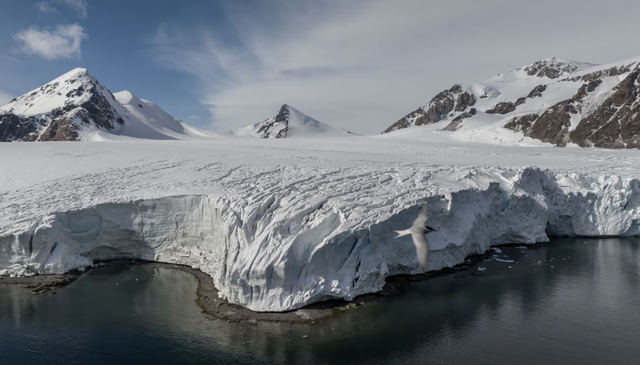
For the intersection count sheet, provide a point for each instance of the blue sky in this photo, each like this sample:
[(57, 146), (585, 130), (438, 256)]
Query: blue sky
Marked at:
[(358, 64)]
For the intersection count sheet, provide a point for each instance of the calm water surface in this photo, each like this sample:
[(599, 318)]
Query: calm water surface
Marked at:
[(575, 301)]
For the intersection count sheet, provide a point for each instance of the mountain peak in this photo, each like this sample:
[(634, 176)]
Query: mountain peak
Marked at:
[(78, 71), (74, 87), (288, 123), (555, 67), (61, 109)]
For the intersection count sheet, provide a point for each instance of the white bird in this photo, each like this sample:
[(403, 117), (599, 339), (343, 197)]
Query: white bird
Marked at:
[(418, 231)]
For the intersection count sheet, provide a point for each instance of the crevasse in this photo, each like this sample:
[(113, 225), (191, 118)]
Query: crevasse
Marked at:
[(270, 254)]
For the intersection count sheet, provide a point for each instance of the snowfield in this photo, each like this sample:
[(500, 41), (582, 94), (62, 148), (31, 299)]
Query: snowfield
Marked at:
[(280, 224)]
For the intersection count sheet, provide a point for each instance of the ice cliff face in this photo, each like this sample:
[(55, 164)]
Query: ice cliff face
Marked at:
[(289, 123), (554, 101), (322, 234)]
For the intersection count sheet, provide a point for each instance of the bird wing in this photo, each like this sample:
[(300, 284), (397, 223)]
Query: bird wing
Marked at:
[(418, 224), (422, 249)]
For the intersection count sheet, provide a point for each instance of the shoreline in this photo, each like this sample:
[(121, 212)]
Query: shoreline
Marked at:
[(209, 302)]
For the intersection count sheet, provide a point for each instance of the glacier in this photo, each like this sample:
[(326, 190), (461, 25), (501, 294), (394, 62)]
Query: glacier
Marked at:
[(282, 224)]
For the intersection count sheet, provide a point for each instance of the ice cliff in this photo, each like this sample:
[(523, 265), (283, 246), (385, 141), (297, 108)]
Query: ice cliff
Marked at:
[(291, 236)]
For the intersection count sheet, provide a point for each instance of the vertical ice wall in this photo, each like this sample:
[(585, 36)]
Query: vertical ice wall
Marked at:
[(272, 253)]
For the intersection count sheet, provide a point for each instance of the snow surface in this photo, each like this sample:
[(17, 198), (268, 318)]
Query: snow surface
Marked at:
[(279, 224)]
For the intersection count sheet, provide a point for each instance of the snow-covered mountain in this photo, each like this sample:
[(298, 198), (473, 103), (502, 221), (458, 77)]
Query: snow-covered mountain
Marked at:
[(554, 101), (76, 107), (289, 123), (152, 116)]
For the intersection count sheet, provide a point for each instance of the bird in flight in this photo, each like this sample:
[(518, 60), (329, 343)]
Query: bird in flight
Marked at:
[(418, 231)]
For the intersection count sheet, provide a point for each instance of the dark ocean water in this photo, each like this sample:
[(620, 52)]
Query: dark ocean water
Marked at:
[(574, 301)]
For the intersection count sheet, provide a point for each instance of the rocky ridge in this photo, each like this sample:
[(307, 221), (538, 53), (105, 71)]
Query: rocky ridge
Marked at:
[(58, 110), (554, 101)]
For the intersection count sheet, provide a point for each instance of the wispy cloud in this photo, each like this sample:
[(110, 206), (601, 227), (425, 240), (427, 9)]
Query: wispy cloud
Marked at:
[(80, 6), (62, 42), (46, 7), (345, 63), (362, 64)]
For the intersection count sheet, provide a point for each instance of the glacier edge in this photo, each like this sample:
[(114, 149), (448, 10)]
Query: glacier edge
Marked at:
[(269, 252)]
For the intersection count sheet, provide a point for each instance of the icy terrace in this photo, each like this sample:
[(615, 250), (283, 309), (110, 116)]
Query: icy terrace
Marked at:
[(281, 224)]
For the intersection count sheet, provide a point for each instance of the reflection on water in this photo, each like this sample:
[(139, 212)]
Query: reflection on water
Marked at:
[(573, 301)]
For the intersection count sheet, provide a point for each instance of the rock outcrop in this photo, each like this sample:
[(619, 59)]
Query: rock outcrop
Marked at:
[(442, 106)]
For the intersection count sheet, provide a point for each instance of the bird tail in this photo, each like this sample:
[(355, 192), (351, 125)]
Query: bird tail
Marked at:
[(402, 233)]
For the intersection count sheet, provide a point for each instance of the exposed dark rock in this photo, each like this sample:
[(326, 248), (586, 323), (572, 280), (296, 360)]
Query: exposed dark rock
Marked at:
[(553, 125), (550, 68), (616, 123), (464, 100), (99, 110), (598, 75), (537, 91), (457, 121), (60, 130), (522, 123), (439, 108), (404, 122), (586, 88), (77, 92), (521, 101), (591, 86), (502, 108), (269, 126), (15, 128)]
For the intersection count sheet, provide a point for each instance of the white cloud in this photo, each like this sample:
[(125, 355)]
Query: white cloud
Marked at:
[(46, 7), (62, 42), (4, 98), (361, 65), (80, 6)]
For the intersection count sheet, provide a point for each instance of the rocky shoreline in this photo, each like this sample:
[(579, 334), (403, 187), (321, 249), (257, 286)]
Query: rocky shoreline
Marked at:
[(212, 305), (41, 284)]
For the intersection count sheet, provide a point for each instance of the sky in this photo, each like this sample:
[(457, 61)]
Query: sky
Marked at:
[(358, 64)]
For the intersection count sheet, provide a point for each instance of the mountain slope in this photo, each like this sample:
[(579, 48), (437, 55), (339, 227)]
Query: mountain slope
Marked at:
[(76, 107), (289, 123), (553, 101), (152, 116), (65, 109)]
